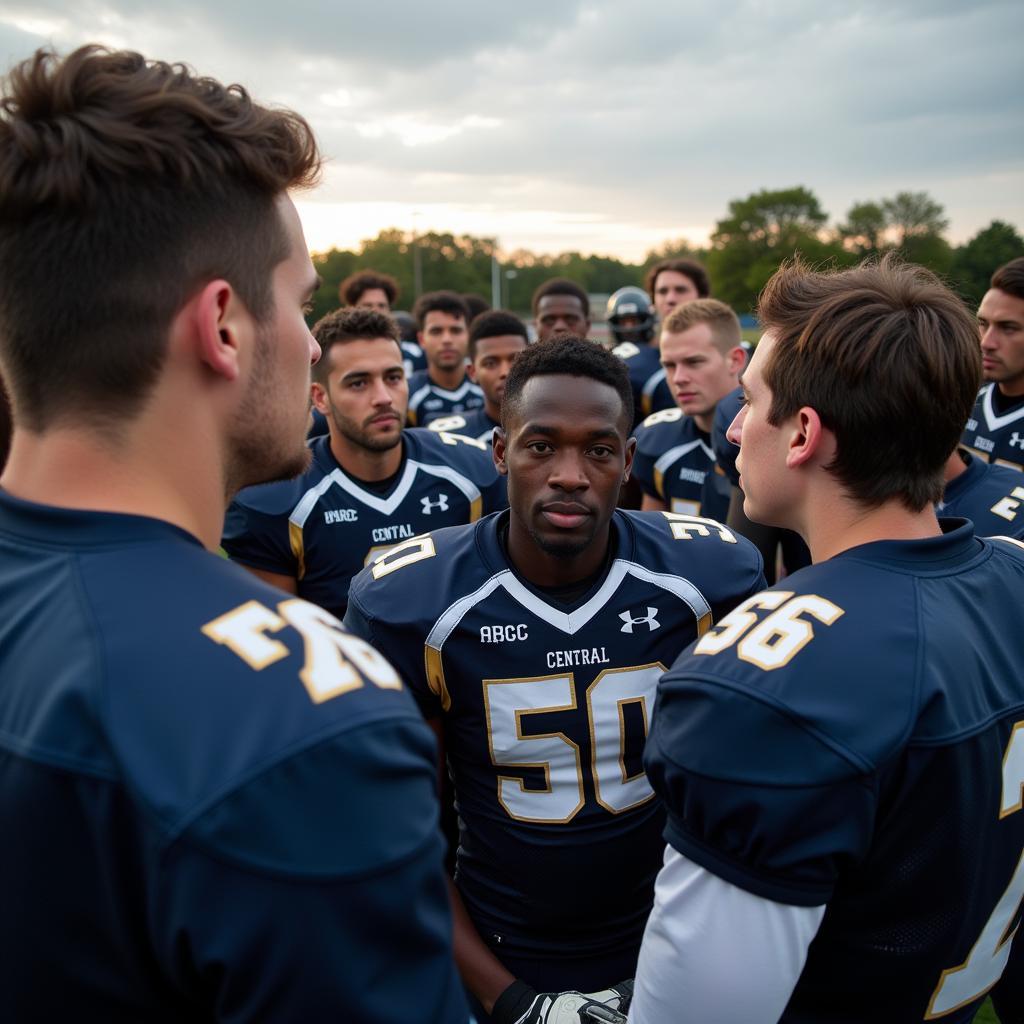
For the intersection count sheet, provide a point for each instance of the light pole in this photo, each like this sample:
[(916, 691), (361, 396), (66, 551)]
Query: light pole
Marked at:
[(509, 277)]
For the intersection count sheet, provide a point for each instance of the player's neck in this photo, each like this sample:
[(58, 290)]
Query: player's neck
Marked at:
[(956, 466), (493, 410), (840, 525), (77, 468), (703, 421), (447, 379), (1011, 389), (546, 570), (365, 463)]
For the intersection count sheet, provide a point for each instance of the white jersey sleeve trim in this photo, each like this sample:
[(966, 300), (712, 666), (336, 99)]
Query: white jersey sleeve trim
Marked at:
[(678, 585), (652, 382), (664, 463), (721, 952)]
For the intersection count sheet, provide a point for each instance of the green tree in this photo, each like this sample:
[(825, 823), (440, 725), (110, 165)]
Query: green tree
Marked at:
[(333, 267), (914, 214), (928, 250), (916, 222), (759, 233), (975, 261), (864, 229)]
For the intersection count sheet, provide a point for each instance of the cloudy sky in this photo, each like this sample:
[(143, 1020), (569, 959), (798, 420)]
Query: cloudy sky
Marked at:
[(601, 126)]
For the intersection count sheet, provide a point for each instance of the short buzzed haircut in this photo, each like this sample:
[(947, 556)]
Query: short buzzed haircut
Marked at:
[(495, 323), (353, 323), (351, 289), (124, 184), (889, 358), (1009, 278), (570, 356), (439, 302), (560, 286), (695, 271), (723, 322)]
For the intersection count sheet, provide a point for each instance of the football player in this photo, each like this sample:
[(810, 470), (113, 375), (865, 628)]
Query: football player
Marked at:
[(842, 757), (369, 288), (673, 282), (178, 737), (370, 484), (443, 387), (630, 318), (995, 429), (496, 339), (777, 546), (560, 306), (534, 641), (675, 463), (991, 496), (379, 291)]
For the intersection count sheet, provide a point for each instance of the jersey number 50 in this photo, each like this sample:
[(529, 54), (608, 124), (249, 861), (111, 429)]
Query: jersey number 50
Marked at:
[(511, 704)]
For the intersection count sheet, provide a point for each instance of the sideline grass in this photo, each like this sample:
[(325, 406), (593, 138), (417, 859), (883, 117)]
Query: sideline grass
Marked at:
[(986, 1015)]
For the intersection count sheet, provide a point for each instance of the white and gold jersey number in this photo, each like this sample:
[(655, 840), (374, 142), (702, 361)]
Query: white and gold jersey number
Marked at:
[(983, 967), (512, 707), (772, 643)]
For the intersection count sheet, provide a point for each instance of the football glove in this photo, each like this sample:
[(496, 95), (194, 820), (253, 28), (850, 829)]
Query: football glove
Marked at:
[(520, 1004)]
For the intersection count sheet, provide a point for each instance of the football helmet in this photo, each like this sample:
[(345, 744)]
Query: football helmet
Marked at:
[(630, 316)]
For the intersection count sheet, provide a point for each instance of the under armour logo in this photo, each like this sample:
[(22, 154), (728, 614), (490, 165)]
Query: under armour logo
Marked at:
[(441, 504), (1016, 441), (650, 620)]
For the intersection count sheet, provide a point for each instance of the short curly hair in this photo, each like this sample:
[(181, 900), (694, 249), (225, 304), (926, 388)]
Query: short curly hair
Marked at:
[(560, 286), (352, 323), (441, 302), (571, 356), (350, 291), (493, 324)]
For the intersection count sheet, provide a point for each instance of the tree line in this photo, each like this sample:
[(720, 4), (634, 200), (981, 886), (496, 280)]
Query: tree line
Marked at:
[(746, 247)]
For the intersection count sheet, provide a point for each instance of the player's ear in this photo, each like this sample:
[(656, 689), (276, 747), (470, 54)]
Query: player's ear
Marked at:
[(630, 452), (471, 371), (498, 451), (808, 438), (318, 394), (223, 326), (736, 359)]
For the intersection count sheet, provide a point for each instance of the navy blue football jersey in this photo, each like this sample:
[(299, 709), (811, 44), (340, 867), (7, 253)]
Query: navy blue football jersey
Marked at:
[(545, 712), (476, 424), (216, 804), (317, 424), (996, 433), (413, 358), (725, 451), (323, 527), (428, 401), (675, 463), (854, 737), (651, 392), (991, 496)]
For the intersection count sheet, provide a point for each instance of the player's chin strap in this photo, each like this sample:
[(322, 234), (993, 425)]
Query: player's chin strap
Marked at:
[(520, 1004)]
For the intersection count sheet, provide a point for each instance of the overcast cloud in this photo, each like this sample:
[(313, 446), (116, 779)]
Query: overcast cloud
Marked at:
[(603, 126)]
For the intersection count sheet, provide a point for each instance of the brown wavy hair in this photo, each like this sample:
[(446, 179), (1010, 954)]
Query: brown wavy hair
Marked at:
[(125, 185), (889, 358)]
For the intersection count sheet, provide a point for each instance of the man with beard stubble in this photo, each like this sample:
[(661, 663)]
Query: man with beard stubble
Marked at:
[(370, 485)]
